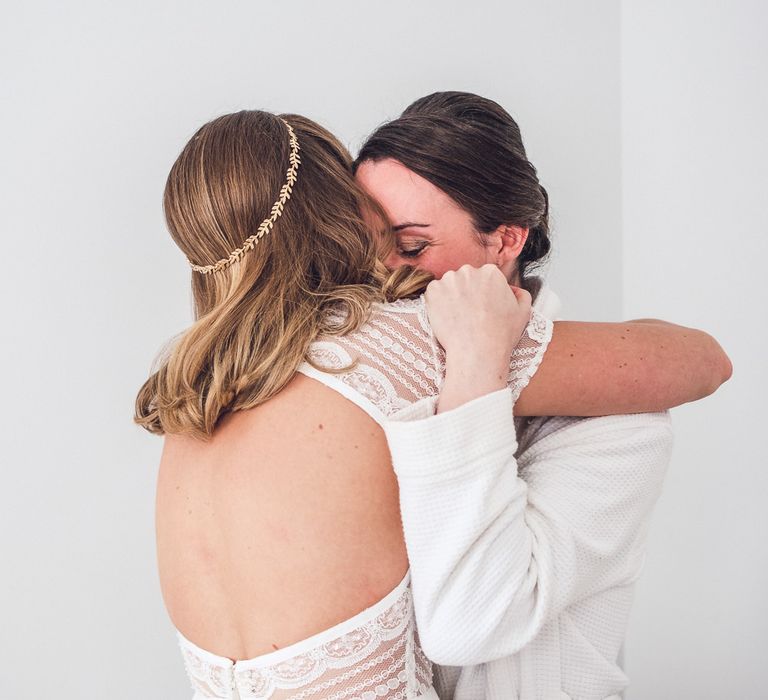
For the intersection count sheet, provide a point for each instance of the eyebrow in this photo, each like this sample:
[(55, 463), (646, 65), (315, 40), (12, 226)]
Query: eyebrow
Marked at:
[(409, 224)]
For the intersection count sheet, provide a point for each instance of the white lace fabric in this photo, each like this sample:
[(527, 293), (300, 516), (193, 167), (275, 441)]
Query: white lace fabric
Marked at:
[(374, 655), (394, 359)]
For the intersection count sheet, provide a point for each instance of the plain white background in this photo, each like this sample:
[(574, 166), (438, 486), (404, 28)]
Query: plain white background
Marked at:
[(646, 122), (695, 245)]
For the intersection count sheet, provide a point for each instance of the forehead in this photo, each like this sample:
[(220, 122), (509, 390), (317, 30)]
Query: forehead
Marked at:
[(405, 195)]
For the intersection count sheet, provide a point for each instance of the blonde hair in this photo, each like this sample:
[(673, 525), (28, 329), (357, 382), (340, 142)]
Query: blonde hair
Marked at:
[(255, 319)]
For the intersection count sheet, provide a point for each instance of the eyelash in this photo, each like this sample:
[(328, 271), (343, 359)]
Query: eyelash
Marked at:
[(411, 252)]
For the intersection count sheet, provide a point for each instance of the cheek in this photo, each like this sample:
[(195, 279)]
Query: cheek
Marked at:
[(440, 259)]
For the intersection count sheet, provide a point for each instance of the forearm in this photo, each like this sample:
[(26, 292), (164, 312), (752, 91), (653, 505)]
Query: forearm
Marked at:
[(467, 379), (471, 553), (593, 369)]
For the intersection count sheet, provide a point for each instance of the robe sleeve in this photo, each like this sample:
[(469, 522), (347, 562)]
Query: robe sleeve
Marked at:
[(493, 555)]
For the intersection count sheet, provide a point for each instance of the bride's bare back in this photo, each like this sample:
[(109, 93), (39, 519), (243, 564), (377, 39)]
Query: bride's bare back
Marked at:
[(284, 524)]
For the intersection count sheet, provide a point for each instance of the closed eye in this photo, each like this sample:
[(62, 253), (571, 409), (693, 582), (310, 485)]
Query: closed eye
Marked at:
[(412, 251)]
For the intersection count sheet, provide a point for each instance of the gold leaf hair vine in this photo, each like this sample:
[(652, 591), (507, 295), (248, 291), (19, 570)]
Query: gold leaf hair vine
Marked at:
[(277, 209)]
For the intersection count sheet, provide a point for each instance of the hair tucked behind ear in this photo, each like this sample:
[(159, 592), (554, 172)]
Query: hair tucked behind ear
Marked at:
[(470, 148), (256, 318)]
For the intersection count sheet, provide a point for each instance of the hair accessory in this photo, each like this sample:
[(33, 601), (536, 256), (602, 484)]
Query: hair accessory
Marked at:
[(277, 208)]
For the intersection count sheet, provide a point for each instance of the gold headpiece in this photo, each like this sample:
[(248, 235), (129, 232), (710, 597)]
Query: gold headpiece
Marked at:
[(266, 226)]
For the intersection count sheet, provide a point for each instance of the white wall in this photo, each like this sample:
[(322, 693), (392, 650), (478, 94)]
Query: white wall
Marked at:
[(97, 99), (695, 110)]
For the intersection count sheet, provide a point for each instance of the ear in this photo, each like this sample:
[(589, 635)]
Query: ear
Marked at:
[(508, 242)]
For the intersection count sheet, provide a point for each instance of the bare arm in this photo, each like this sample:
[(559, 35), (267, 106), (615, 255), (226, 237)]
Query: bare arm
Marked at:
[(592, 369), (589, 369)]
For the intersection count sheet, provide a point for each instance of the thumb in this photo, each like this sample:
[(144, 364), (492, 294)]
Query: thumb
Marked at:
[(523, 296)]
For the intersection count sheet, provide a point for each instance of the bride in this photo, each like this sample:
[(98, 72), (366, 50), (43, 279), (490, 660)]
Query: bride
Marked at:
[(280, 546)]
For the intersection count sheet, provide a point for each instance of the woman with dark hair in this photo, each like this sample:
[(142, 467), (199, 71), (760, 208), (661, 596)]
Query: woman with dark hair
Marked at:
[(280, 547), (524, 541)]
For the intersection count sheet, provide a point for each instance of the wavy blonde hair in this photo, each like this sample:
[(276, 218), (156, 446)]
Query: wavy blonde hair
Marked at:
[(255, 320)]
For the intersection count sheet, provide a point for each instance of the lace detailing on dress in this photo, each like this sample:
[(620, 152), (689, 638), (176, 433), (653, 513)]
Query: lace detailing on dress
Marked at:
[(529, 352), (378, 659), (395, 360)]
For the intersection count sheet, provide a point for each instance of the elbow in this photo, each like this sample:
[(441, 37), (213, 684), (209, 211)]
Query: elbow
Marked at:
[(720, 368), (700, 366), (466, 640), (703, 367), (450, 650), (469, 650), (441, 654), (726, 366), (441, 644)]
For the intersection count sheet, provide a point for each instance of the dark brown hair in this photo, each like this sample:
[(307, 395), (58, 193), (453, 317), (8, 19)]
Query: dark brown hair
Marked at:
[(470, 148), (255, 320)]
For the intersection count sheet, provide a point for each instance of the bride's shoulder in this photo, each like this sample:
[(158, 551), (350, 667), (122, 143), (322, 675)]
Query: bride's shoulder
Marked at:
[(400, 326), (392, 358), (402, 313), (404, 320), (396, 318)]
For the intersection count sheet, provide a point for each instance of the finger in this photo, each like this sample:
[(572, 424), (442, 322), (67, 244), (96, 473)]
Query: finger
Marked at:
[(523, 296)]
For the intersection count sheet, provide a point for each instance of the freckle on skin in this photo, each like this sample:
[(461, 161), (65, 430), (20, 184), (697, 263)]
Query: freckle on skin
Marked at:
[(571, 354), (189, 512), (320, 426)]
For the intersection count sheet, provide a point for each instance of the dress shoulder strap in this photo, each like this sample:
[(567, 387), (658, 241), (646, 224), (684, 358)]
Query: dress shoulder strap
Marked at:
[(390, 362), (394, 360)]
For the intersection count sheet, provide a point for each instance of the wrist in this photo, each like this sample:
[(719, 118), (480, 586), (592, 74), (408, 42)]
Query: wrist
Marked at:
[(477, 367), (467, 379)]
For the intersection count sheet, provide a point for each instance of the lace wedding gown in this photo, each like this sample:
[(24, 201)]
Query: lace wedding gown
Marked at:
[(392, 362)]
